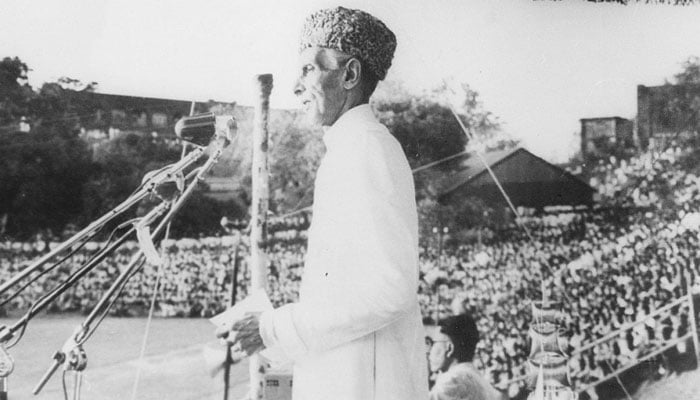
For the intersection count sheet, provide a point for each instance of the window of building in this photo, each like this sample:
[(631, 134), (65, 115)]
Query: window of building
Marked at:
[(141, 119), (159, 119), (118, 117)]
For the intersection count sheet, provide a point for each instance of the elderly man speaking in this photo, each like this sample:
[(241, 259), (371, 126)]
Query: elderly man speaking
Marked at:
[(356, 332)]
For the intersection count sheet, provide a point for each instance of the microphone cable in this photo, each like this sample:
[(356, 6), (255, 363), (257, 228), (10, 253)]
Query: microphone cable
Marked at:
[(61, 287), (36, 277), (156, 286)]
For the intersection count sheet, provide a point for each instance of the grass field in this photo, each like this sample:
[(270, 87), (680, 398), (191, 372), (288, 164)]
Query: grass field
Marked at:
[(174, 367)]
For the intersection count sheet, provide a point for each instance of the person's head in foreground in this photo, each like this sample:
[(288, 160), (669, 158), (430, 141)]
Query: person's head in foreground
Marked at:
[(343, 54), (455, 343)]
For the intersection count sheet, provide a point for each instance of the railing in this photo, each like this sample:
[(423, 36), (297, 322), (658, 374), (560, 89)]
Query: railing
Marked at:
[(629, 326), (659, 345)]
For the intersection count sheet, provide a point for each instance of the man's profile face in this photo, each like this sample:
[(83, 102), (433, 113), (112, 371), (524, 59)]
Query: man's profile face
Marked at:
[(319, 86), (439, 356)]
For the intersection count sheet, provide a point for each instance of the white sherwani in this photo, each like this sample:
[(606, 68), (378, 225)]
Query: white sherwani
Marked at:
[(356, 332)]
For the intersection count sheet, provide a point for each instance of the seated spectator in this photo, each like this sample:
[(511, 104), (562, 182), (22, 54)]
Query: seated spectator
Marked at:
[(451, 357)]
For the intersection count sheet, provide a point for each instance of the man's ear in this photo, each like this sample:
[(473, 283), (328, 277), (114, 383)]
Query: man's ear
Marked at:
[(353, 72), (450, 349)]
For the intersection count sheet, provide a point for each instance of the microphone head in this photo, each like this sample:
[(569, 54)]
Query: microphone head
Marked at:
[(196, 129), (200, 129)]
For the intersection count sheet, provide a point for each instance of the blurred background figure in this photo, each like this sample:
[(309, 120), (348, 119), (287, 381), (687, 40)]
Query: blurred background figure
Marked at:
[(451, 355)]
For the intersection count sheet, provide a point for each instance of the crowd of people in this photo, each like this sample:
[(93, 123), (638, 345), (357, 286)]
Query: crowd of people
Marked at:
[(609, 267), (195, 278)]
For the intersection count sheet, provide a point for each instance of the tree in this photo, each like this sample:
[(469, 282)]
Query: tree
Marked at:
[(427, 129), (682, 111), (15, 93), (690, 71), (42, 177), (42, 172), (294, 158), (200, 216)]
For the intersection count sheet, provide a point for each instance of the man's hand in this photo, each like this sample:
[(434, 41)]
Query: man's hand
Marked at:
[(244, 335)]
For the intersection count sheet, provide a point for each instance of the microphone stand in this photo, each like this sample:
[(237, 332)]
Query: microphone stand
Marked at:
[(150, 186), (146, 189), (7, 333), (77, 361), (74, 343), (7, 364), (72, 349)]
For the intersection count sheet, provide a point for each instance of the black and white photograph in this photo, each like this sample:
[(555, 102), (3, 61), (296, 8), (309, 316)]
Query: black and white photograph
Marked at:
[(350, 200)]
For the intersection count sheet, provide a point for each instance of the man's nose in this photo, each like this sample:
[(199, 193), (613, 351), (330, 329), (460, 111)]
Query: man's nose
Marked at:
[(298, 87)]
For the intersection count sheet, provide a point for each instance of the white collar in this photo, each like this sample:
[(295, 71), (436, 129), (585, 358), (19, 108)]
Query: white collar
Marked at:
[(351, 118)]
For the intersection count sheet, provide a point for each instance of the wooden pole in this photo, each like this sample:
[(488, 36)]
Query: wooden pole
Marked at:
[(260, 204)]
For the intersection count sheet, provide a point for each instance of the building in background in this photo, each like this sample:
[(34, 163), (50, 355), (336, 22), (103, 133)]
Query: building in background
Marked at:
[(665, 112), (606, 136), (529, 180), (105, 116)]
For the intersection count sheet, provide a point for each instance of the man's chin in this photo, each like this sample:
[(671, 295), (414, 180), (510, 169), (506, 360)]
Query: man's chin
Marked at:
[(313, 118)]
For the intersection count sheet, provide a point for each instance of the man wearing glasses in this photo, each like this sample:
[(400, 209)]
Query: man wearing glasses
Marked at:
[(450, 357)]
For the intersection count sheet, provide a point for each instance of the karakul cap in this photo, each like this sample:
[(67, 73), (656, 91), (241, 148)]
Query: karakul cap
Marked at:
[(353, 32)]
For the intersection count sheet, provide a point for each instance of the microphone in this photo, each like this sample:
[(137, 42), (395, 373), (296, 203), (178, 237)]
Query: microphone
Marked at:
[(200, 129)]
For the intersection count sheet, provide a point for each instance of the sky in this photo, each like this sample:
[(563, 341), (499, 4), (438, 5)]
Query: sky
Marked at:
[(540, 66)]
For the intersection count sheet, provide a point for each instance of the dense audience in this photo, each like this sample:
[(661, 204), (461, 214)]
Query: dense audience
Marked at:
[(609, 267)]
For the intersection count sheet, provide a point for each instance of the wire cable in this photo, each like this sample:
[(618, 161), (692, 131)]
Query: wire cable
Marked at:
[(91, 331), (414, 171), (147, 330), (142, 352), (61, 287), (46, 270), (63, 383)]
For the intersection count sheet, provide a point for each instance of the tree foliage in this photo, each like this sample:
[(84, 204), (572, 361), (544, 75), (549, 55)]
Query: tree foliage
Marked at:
[(42, 177), (428, 131), (690, 71), (119, 166), (51, 178), (295, 154), (15, 93), (425, 128), (683, 110), (42, 173), (201, 216)]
